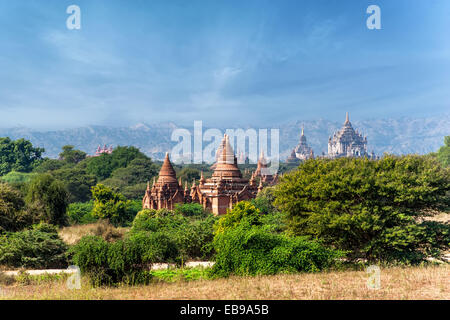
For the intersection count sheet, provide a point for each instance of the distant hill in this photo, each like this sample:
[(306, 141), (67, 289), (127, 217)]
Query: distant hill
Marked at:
[(398, 136)]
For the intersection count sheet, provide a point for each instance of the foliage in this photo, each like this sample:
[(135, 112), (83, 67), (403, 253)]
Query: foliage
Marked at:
[(12, 209), (192, 236), (134, 191), (49, 165), (103, 165), (112, 206), (81, 213), (39, 248), (189, 174), (367, 207), (254, 251), (244, 213), (191, 210), (47, 199), (264, 200), (181, 274), (77, 182), (18, 155), (71, 155), (443, 153), (140, 170), (126, 261), (15, 177)]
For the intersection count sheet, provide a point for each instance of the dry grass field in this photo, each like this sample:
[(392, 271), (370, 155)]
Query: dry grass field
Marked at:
[(431, 282)]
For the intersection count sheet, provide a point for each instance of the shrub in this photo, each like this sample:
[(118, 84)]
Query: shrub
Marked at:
[(12, 210), (254, 251), (81, 213), (367, 207), (112, 206), (126, 261), (39, 248), (244, 212), (47, 199), (192, 236), (191, 210)]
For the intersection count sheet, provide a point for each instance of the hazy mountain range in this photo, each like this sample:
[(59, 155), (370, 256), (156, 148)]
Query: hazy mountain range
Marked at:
[(398, 136)]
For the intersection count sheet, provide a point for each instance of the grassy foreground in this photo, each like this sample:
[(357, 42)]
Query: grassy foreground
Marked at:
[(432, 282)]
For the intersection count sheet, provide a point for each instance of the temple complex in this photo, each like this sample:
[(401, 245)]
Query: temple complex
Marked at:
[(348, 143), (222, 191), (101, 150), (302, 151)]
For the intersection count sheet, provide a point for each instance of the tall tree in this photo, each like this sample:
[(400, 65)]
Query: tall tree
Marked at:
[(47, 198), (71, 155), (18, 155), (368, 207)]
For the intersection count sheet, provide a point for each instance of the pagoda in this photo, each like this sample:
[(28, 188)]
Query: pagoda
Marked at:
[(302, 151), (348, 143), (165, 192)]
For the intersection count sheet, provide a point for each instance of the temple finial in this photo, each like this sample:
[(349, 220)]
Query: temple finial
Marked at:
[(303, 129), (346, 117)]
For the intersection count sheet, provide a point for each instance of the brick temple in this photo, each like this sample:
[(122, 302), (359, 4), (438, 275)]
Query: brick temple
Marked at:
[(222, 191)]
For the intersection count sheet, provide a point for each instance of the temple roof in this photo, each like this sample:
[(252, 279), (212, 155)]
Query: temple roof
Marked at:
[(167, 173), (226, 166)]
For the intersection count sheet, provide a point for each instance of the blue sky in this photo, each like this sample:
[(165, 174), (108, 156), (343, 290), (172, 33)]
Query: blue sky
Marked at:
[(221, 61)]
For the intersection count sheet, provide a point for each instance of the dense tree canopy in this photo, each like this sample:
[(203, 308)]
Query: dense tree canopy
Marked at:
[(110, 205), (103, 165), (71, 155), (368, 207), (47, 198), (11, 209), (18, 155), (77, 182)]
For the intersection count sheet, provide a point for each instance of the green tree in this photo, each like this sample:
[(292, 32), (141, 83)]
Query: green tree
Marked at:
[(12, 209), (71, 155), (18, 155), (370, 208), (100, 166), (47, 198), (77, 182), (140, 170), (189, 174), (48, 165), (103, 165), (444, 152), (110, 205)]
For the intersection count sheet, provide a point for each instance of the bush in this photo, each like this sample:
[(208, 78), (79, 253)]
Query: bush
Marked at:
[(81, 213), (370, 208), (12, 210), (112, 206), (254, 251), (193, 237), (191, 210), (38, 248), (244, 213), (125, 261)]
